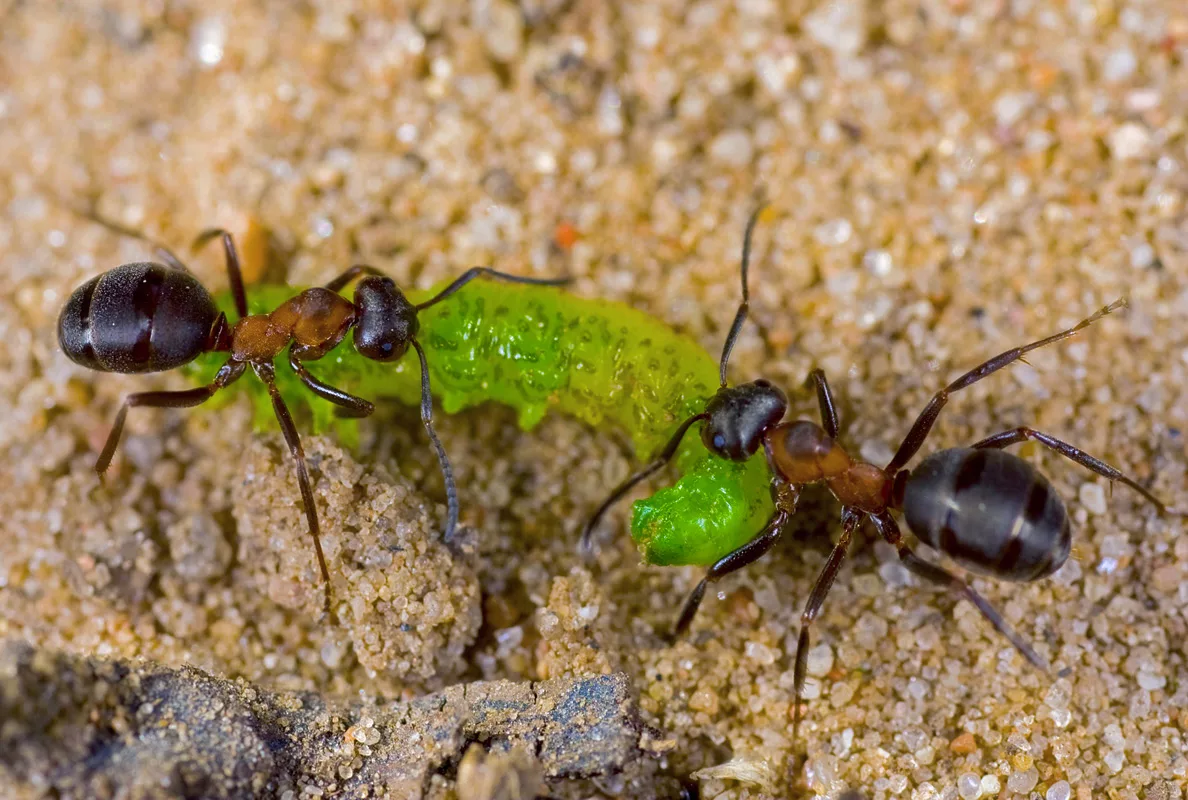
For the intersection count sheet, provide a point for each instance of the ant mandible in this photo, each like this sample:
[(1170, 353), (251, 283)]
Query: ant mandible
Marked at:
[(990, 511), (150, 317)]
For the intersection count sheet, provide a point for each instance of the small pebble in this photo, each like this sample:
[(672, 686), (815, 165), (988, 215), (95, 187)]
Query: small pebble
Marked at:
[(1060, 790), (1093, 498), (1142, 100), (819, 660), (759, 653), (1142, 255), (1114, 761), (844, 742), (840, 694), (927, 638), (332, 653), (704, 699), (870, 631), (1023, 782), (1058, 694), (1129, 141), (914, 738), (925, 791), (895, 574), (964, 744), (1112, 736), (969, 786), (1010, 107), (1166, 578), (733, 148), (991, 784), (918, 689), (839, 25), (588, 613), (1017, 743), (834, 233), (208, 37), (1119, 65), (879, 263), (502, 25), (867, 584), (1151, 681)]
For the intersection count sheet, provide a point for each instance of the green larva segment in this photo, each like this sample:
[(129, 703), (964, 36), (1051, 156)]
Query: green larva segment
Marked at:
[(718, 506), (539, 349)]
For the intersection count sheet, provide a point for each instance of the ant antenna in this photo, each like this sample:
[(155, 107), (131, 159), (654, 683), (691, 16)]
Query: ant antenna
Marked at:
[(90, 214), (741, 316), (447, 471), (623, 488)]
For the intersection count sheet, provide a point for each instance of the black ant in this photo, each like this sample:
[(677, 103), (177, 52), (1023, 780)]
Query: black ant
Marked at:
[(989, 510), (150, 317)]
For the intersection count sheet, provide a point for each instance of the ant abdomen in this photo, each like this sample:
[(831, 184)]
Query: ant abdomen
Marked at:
[(990, 511), (139, 317)]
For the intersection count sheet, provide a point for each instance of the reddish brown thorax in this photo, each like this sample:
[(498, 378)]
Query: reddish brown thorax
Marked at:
[(315, 321), (802, 452)]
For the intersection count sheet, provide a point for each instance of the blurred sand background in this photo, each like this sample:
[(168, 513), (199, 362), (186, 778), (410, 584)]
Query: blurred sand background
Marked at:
[(948, 178)]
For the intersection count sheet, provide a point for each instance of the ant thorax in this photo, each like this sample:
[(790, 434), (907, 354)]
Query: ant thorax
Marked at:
[(802, 452)]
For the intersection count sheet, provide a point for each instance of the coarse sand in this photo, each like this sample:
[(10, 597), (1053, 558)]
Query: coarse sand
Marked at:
[(946, 178)]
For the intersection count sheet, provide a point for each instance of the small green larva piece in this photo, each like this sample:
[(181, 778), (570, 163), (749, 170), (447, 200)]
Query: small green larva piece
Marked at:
[(539, 349), (717, 507)]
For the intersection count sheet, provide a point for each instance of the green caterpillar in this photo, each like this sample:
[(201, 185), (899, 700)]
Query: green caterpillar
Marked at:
[(538, 349)]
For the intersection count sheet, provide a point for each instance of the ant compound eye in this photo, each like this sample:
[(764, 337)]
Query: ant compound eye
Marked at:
[(719, 441)]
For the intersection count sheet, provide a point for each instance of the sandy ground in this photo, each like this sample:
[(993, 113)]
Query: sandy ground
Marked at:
[(947, 179)]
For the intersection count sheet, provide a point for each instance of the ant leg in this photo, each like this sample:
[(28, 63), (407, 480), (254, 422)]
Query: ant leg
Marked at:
[(850, 520), (786, 497), (923, 424), (267, 374), (447, 471), (740, 316), (234, 276), (889, 530), (162, 252), (1022, 434), (824, 400), (354, 406), (474, 272), (352, 273), (663, 458), (748, 554), (187, 398)]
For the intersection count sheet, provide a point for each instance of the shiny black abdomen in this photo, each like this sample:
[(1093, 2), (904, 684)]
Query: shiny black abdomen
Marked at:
[(138, 317), (990, 511)]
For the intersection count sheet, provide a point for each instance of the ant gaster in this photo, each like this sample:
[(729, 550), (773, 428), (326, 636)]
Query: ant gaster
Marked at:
[(989, 510), (149, 317)]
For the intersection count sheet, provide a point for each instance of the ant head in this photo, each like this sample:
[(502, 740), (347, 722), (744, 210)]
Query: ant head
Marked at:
[(739, 416), (387, 321)]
